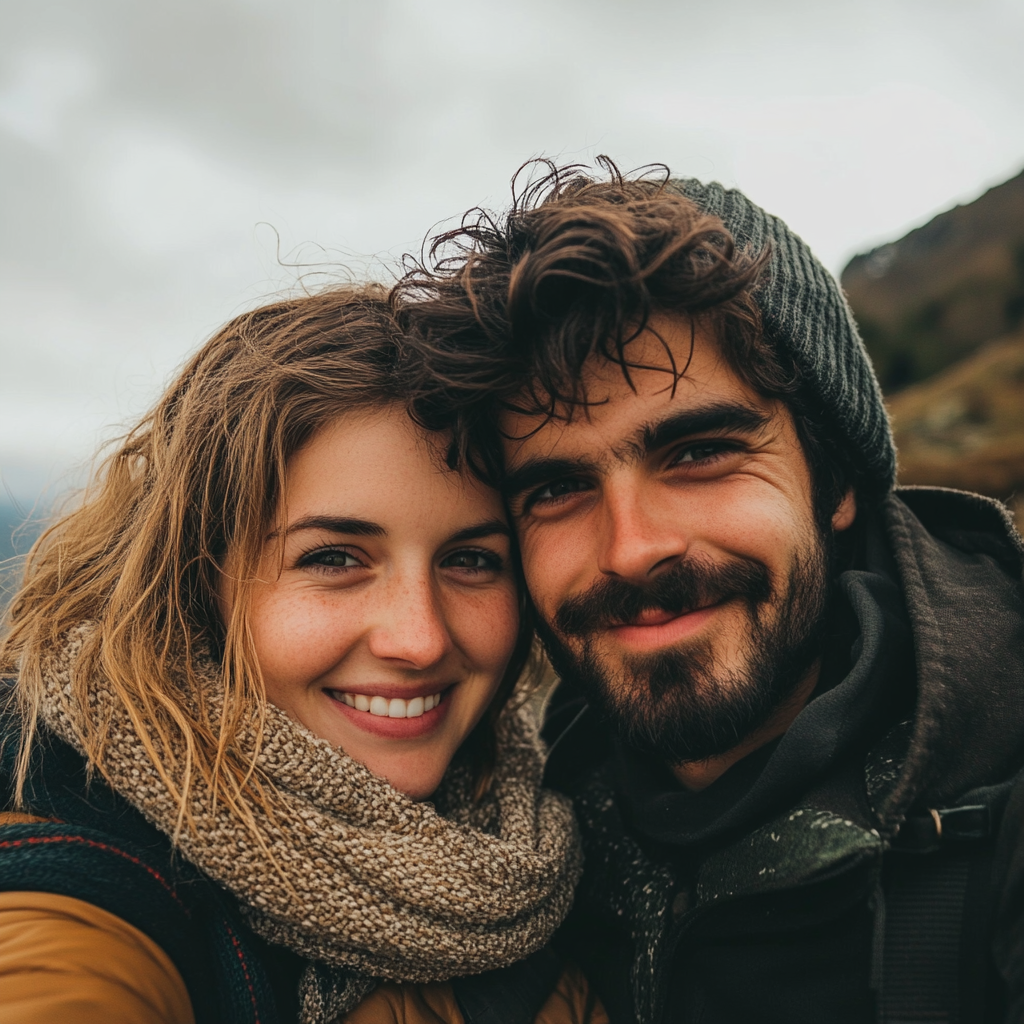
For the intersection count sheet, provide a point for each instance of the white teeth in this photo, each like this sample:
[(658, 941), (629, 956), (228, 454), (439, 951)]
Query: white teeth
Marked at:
[(396, 707)]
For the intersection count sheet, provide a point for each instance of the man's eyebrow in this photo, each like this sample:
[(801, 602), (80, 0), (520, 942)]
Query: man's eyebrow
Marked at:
[(652, 437), (648, 438), (488, 528), (539, 471), (338, 524)]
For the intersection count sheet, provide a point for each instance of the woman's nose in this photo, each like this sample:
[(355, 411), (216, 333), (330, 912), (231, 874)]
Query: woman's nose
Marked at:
[(411, 627)]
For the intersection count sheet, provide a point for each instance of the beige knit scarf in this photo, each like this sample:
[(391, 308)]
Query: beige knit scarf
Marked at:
[(374, 882)]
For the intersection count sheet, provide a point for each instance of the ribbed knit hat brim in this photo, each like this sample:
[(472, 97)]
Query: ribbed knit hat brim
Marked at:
[(806, 316)]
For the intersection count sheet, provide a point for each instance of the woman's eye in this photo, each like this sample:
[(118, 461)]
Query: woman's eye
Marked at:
[(331, 558), (470, 559)]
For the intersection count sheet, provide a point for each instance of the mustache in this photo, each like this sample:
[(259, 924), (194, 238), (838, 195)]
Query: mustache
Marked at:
[(691, 583)]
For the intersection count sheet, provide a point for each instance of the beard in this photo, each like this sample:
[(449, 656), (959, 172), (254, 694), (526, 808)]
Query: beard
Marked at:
[(681, 704)]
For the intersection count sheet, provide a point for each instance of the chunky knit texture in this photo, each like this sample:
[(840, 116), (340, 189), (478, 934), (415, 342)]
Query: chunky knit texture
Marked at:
[(355, 874), (806, 316)]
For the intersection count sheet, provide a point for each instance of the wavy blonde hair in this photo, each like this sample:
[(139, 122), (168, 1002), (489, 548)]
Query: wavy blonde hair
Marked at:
[(142, 554)]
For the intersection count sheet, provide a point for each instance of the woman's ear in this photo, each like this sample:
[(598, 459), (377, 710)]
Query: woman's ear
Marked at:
[(846, 513)]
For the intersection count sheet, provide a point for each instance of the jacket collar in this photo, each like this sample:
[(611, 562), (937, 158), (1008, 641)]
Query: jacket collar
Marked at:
[(960, 564)]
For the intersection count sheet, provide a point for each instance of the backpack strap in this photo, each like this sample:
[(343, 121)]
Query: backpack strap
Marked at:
[(180, 911), (934, 914), (509, 995)]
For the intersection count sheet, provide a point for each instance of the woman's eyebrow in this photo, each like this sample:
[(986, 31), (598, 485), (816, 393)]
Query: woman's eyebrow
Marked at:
[(485, 529), (338, 524)]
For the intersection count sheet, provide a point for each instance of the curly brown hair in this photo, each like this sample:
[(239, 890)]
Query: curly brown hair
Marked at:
[(503, 312)]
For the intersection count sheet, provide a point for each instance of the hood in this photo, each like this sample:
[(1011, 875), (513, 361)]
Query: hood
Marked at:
[(960, 563)]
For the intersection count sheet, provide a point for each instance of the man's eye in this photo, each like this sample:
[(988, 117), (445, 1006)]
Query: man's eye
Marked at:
[(471, 559), (559, 489), (699, 453)]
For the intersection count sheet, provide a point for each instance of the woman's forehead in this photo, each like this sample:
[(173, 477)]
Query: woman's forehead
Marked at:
[(379, 466)]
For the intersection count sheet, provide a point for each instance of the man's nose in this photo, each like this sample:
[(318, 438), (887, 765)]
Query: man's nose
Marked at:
[(411, 627), (638, 540)]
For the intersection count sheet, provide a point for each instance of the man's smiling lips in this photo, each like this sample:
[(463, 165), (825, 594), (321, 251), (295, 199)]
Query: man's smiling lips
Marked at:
[(656, 627)]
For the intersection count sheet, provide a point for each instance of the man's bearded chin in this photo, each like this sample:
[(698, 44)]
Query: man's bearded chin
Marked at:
[(679, 704)]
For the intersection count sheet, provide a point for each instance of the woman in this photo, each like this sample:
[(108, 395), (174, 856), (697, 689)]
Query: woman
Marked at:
[(276, 625)]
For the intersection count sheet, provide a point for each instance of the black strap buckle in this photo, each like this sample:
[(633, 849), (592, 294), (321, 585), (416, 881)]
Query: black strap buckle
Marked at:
[(944, 827), (963, 824)]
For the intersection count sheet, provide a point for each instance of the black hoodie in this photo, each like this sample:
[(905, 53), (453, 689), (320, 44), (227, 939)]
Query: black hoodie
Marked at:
[(756, 899)]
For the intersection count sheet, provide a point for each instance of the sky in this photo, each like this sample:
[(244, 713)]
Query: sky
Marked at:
[(165, 165)]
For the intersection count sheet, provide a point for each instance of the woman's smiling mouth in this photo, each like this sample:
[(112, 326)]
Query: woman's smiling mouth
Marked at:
[(384, 707), (393, 717)]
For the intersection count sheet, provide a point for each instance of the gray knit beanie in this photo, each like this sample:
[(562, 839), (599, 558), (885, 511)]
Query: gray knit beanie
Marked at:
[(805, 315)]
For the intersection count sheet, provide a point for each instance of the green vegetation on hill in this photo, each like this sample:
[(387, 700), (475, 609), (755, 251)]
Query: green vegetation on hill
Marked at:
[(965, 427), (945, 289), (942, 314)]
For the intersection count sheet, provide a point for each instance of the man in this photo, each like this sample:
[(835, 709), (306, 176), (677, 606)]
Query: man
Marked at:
[(792, 699)]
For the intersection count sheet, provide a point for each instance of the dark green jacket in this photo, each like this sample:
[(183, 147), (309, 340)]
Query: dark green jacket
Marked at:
[(787, 923)]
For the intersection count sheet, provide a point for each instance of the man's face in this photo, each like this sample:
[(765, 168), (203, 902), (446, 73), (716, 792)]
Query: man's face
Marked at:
[(670, 546)]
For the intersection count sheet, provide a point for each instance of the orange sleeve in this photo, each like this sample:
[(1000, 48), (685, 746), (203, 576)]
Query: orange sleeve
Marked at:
[(65, 959), (570, 1003), (408, 1004)]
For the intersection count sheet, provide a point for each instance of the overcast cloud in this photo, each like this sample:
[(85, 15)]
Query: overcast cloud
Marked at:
[(153, 155)]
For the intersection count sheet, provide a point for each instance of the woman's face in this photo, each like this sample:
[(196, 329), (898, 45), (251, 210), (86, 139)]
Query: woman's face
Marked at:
[(386, 614)]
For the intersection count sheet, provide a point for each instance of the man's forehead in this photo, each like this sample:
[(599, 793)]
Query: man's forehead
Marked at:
[(623, 416), (670, 347)]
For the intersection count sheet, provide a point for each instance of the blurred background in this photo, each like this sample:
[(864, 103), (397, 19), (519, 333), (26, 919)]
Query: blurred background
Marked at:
[(164, 166)]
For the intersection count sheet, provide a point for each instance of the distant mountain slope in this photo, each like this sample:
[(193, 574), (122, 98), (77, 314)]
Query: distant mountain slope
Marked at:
[(965, 427), (944, 289), (16, 537)]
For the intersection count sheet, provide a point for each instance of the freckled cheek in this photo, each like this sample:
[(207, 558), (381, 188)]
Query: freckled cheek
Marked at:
[(485, 631), (297, 640)]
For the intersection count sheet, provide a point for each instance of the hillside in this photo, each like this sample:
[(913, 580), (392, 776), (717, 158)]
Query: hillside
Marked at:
[(965, 426), (939, 293)]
